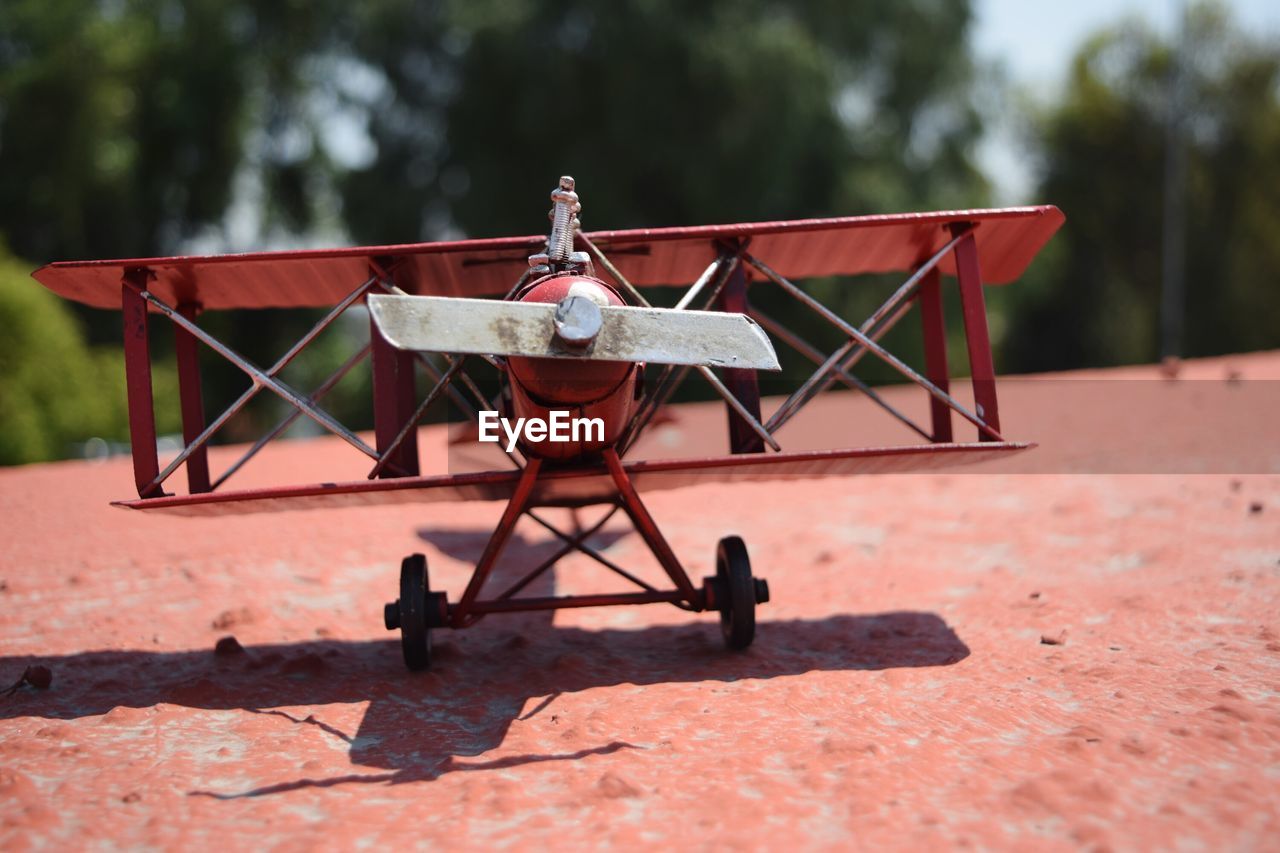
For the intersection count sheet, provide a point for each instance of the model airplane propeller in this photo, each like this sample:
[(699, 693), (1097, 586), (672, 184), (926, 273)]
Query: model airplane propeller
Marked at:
[(573, 344)]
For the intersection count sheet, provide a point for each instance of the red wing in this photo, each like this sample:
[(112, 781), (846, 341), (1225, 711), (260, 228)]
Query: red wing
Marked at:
[(1007, 240), (582, 486)]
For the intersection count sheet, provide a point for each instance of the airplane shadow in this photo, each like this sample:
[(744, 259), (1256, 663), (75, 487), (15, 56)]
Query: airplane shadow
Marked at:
[(462, 544), (418, 726)]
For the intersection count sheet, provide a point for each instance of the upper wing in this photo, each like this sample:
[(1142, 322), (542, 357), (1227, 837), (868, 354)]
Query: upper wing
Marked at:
[(1007, 240)]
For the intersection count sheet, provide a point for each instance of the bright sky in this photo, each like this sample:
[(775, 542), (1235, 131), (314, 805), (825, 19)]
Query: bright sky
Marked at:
[(1035, 39)]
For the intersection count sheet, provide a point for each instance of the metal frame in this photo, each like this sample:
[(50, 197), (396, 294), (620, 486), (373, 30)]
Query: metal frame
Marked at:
[(740, 391), (471, 607), (724, 285), (394, 381), (602, 480)]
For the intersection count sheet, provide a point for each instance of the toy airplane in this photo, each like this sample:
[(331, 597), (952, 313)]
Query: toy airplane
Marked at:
[(563, 321)]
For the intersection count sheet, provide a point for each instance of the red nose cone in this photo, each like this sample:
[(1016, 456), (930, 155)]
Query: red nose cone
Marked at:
[(559, 380)]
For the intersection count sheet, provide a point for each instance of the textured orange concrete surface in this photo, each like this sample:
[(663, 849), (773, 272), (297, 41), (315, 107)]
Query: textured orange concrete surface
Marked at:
[(900, 692)]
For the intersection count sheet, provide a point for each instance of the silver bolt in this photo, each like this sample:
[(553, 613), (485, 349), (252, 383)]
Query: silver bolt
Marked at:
[(577, 321), (563, 220)]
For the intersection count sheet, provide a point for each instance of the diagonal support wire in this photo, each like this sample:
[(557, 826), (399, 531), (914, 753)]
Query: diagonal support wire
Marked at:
[(578, 543), (324, 388), (896, 305), (445, 378), (434, 373), (260, 379), (634, 431), (385, 459), (672, 375), (572, 542), (804, 348), (843, 360), (867, 343), (612, 270), (736, 404)]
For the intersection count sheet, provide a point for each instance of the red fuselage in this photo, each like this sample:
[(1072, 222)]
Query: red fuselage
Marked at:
[(584, 388)]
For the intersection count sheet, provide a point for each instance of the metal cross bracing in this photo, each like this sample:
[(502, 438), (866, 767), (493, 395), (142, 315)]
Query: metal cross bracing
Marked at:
[(395, 416), (724, 286), (473, 605)]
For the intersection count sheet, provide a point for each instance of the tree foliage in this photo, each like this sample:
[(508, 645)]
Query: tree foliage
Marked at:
[(129, 128), (124, 124), (666, 112), (56, 390), (1095, 300)]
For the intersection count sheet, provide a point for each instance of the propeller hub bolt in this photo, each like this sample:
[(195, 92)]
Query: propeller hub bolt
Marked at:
[(578, 321)]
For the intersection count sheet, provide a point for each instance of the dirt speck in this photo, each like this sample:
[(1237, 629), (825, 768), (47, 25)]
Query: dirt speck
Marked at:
[(230, 618), (1231, 711), (615, 787)]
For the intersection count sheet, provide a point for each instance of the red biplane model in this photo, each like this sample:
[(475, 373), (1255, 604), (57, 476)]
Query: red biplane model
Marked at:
[(571, 348)]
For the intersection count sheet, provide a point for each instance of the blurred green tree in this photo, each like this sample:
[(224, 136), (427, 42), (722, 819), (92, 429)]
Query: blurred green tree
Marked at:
[(130, 128), (124, 124), (56, 390), (666, 112), (1095, 297)]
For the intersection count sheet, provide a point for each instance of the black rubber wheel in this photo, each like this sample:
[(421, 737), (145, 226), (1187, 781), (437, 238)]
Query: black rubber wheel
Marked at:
[(738, 588), (415, 635)]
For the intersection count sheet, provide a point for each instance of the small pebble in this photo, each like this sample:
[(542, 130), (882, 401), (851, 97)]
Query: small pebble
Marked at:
[(228, 646)]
